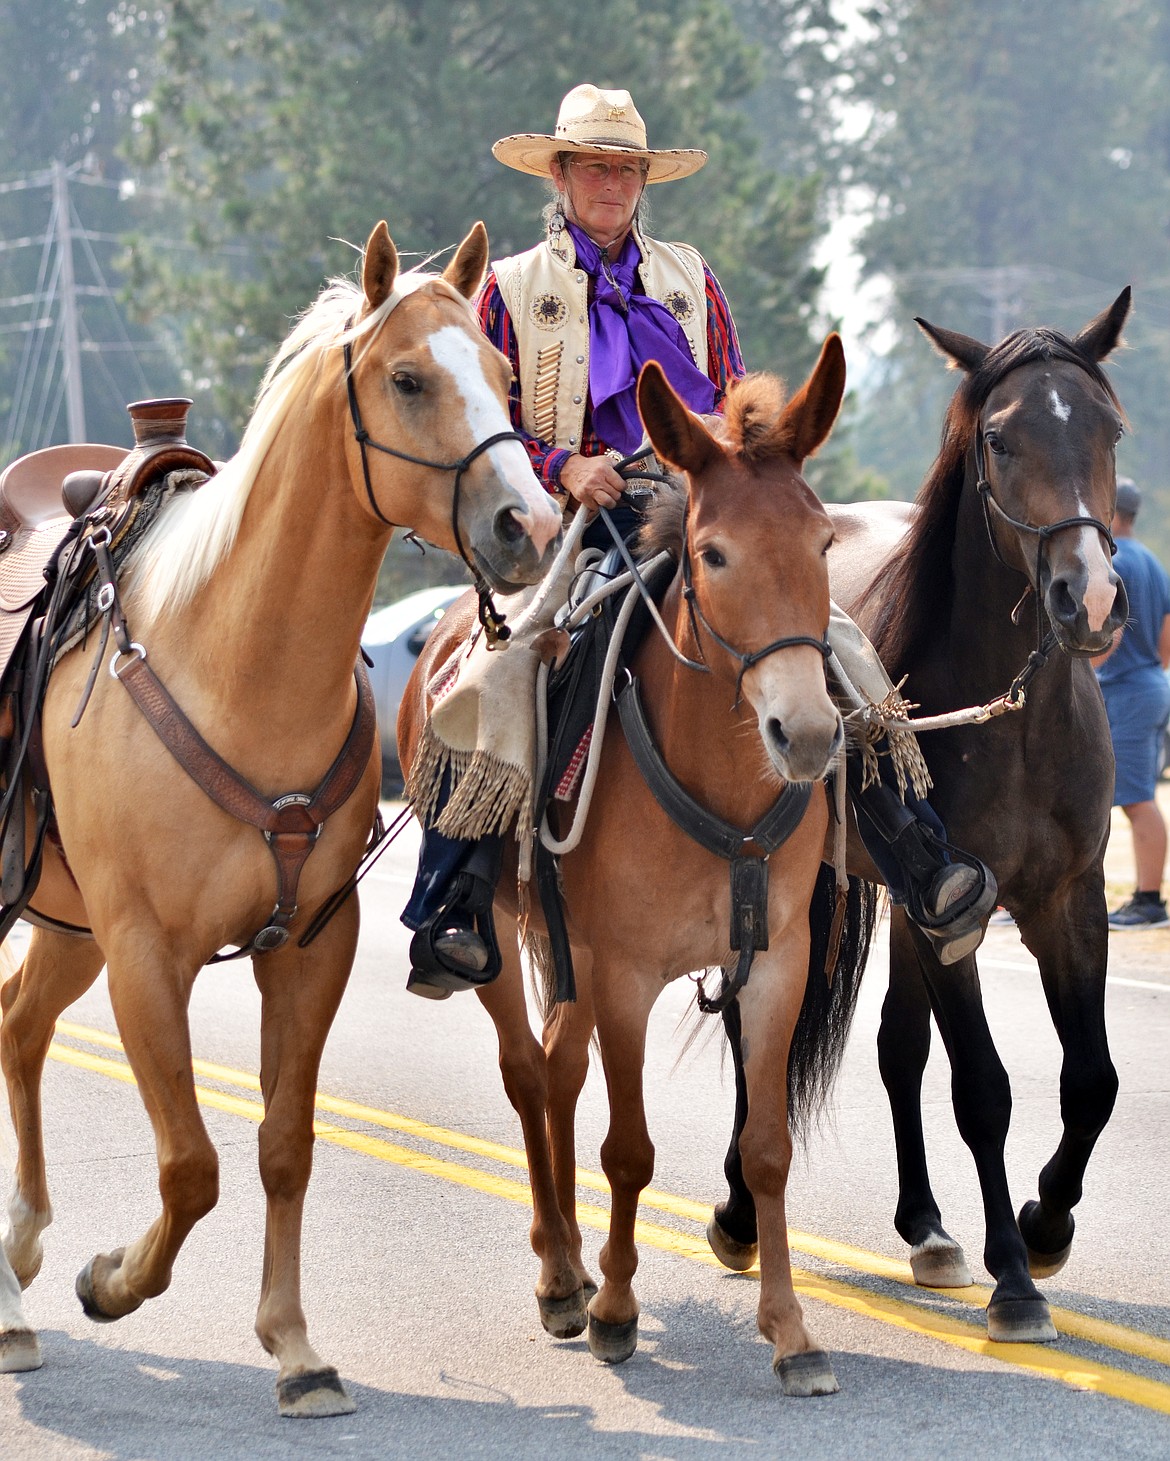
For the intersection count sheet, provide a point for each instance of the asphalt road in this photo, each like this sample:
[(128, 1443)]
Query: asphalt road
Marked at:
[(418, 1276)]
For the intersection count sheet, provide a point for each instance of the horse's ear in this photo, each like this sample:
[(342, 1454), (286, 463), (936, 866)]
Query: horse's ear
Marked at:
[(1100, 336), (466, 270), (960, 350), (676, 434), (379, 266), (808, 418)]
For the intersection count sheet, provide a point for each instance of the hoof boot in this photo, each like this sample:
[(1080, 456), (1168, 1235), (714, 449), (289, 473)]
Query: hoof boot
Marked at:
[(612, 1343), (806, 1374), (313, 1395)]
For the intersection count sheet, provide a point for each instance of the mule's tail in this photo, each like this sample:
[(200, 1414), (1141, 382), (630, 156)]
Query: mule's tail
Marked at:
[(822, 1027)]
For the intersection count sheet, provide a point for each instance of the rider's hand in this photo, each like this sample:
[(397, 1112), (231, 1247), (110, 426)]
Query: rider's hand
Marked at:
[(591, 481)]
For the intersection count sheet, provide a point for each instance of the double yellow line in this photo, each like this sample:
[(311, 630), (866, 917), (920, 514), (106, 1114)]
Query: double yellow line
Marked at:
[(902, 1312)]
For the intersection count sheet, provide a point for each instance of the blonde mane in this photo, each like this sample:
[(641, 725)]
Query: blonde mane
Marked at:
[(196, 531)]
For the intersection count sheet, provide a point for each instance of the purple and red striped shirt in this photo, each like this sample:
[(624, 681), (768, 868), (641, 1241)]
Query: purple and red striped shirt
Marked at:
[(724, 364)]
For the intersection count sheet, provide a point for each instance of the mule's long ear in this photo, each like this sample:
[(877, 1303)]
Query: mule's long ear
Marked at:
[(466, 270), (676, 434), (960, 350), (1099, 338), (379, 266), (808, 418)]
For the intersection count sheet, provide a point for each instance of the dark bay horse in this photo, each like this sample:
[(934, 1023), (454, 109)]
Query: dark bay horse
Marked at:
[(647, 904), (247, 598), (1006, 554)]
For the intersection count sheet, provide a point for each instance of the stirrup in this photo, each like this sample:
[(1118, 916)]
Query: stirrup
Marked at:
[(435, 974), (959, 929)]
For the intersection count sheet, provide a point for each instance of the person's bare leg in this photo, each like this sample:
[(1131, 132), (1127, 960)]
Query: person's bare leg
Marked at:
[(1149, 845)]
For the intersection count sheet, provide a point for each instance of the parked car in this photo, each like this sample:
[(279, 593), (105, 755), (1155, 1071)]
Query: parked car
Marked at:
[(393, 638)]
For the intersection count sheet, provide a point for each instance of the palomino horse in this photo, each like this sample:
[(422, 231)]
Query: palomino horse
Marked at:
[(1006, 556), (646, 904), (249, 598)]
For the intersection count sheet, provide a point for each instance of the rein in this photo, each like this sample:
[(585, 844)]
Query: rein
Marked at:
[(490, 617)]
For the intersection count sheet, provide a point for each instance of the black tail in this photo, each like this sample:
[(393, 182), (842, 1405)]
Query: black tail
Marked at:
[(822, 1027)]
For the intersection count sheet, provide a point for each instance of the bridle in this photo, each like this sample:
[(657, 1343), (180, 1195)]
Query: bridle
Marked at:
[(490, 617), (1045, 643), (629, 469), (745, 660)]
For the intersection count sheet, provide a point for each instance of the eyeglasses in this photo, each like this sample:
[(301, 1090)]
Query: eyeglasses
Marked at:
[(626, 173)]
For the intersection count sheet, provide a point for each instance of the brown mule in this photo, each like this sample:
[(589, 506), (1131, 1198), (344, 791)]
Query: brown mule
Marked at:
[(647, 904)]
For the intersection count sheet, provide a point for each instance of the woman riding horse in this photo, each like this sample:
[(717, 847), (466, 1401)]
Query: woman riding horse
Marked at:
[(577, 316)]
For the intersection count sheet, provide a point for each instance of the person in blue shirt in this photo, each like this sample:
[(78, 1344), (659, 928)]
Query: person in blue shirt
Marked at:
[(1137, 699)]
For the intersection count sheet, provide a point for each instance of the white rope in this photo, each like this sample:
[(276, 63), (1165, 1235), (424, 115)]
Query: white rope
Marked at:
[(601, 717)]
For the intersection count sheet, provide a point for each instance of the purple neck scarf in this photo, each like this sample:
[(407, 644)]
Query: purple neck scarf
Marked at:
[(626, 329)]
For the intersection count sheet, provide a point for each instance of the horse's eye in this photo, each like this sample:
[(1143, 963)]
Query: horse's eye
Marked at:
[(994, 442), (406, 384), (1120, 434), (713, 558)]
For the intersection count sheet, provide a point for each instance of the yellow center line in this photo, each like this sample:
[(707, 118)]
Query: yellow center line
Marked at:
[(1037, 1359)]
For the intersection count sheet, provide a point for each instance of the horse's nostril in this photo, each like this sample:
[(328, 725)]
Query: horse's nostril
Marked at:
[(776, 735), (509, 528), (1061, 602)]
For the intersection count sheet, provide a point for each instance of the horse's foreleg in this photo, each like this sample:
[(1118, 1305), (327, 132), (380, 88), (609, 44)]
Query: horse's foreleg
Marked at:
[(567, 1031), (57, 970), (936, 1260), (150, 1005), (559, 1291), (1070, 945), (300, 991), (769, 1005), (627, 1156), (982, 1100)]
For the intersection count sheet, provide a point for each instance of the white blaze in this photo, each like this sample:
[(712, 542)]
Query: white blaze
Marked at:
[(1099, 592), (486, 416), (1060, 409)]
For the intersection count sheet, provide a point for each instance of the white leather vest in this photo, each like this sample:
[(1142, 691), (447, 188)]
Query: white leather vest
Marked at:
[(547, 297)]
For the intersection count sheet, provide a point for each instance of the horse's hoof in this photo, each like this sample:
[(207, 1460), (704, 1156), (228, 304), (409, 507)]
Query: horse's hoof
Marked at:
[(1043, 1263), (313, 1395), (805, 1374), (564, 1318), (85, 1292), (739, 1257), (1020, 1321), (612, 1343), (19, 1350), (939, 1263)]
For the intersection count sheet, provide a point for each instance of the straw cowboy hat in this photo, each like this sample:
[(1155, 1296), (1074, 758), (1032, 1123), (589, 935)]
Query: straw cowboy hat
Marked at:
[(593, 120)]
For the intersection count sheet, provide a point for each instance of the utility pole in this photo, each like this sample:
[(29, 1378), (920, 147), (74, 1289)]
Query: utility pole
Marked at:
[(70, 342)]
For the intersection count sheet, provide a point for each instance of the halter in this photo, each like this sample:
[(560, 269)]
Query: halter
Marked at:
[(1045, 643), (752, 657), (490, 617)]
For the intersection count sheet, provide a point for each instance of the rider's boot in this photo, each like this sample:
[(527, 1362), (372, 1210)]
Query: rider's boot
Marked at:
[(456, 948), (948, 893)]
